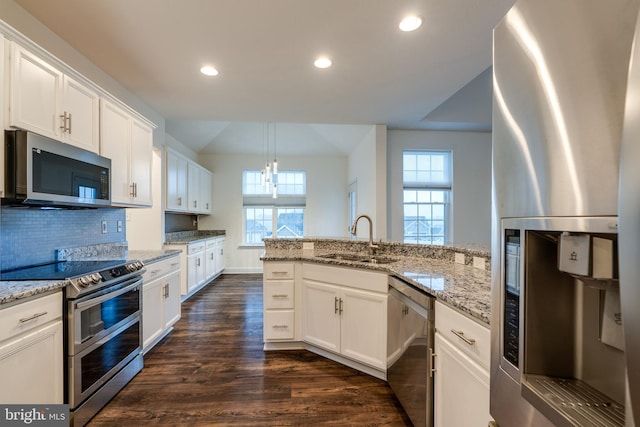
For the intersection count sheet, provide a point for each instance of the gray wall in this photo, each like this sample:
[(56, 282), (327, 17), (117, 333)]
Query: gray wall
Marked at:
[(471, 180)]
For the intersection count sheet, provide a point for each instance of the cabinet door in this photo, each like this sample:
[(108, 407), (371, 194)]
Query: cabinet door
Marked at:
[(115, 125), (140, 158), (219, 255), (321, 315), (31, 367), (176, 174), (171, 303), (459, 381), (193, 188), (35, 94), (210, 262), (81, 105), (152, 322), (364, 325), (205, 191), (195, 270)]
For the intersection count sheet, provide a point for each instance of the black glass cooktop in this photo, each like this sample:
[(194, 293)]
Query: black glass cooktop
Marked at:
[(59, 270)]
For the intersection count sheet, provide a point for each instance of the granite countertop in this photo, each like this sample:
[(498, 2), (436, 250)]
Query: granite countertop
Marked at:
[(151, 256), (461, 286), (11, 291), (184, 237)]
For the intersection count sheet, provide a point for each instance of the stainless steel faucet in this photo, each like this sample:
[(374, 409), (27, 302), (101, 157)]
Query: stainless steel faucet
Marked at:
[(354, 229)]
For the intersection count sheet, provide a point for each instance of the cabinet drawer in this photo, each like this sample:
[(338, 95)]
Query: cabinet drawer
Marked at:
[(22, 317), (278, 325), (161, 268), (193, 248), (278, 294), (210, 243), (278, 270), (458, 329)]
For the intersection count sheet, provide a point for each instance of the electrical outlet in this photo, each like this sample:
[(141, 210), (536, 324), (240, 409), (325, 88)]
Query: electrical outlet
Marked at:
[(459, 258), (103, 225), (119, 226)]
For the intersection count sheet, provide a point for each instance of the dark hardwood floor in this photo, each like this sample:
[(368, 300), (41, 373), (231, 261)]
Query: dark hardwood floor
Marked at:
[(211, 371)]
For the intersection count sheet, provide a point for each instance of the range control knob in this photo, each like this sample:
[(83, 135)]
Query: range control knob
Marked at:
[(96, 277), (84, 281)]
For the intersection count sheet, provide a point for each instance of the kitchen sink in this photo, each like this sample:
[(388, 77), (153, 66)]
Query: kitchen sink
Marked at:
[(369, 259)]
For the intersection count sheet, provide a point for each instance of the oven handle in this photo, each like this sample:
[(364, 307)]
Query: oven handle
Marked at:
[(108, 296)]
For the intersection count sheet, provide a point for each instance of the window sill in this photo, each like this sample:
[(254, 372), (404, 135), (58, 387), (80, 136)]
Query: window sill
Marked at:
[(251, 246)]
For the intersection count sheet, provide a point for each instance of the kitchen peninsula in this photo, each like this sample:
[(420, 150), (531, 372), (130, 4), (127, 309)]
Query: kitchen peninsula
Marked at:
[(458, 275), (345, 300)]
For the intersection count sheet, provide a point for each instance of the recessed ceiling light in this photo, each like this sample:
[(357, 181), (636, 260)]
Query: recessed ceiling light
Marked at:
[(410, 23), (322, 62), (208, 70)]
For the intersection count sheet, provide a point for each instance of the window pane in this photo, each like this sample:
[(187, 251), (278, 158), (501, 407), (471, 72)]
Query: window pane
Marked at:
[(427, 167), (290, 222), (425, 217), (258, 225)]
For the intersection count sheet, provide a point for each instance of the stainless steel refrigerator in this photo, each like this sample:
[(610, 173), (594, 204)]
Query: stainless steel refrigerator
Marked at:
[(566, 215)]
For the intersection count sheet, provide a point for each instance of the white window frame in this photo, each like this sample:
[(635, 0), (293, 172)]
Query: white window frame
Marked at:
[(264, 200), (426, 179)]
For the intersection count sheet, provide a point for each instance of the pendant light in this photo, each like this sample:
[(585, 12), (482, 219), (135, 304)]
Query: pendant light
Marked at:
[(274, 170)]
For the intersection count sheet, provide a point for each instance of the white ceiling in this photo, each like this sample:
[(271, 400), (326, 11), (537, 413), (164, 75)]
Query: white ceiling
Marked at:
[(264, 50)]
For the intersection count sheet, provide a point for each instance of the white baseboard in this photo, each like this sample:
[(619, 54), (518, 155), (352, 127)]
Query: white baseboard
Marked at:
[(240, 270)]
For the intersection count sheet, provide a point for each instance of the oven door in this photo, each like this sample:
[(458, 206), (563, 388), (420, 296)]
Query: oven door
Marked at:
[(98, 315), (105, 334)]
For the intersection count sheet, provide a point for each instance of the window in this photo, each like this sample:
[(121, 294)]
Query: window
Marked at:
[(426, 195), (265, 216)]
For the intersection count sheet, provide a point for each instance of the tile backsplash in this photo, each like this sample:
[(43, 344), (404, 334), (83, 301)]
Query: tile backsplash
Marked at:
[(31, 236)]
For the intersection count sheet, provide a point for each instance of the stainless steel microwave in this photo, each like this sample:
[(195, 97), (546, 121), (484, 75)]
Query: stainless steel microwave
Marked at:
[(40, 171)]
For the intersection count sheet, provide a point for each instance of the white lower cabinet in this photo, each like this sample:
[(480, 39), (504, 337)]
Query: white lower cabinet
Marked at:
[(160, 300), (200, 262), (344, 311), (279, 300), (196, 266), (461, 385), (31, 357)]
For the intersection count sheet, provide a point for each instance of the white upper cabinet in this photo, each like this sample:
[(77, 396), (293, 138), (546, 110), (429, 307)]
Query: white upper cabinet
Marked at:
[(81, 106), (176, 176), (140, 161), (205, 191), (128, 143), (188, 185), (44, 100)]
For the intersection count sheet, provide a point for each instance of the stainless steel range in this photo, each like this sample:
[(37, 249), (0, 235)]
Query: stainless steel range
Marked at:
[(103, 331)]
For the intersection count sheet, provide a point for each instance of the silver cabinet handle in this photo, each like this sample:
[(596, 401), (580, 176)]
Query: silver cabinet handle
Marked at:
[(30, 318), (280, 326), (198, 262), (69, 127), (280, 296), (460, 335), (278, 273), (335, 305), (341, 306), (63, 119), (179, 201)]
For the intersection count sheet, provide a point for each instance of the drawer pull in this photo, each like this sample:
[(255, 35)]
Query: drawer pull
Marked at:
[(154, 272), (30, 318), (175, 264), (279, 273), (280, 296), (280, 326), (460, 335)]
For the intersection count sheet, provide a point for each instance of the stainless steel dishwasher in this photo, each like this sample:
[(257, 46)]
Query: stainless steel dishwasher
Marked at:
[(409, 348)]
